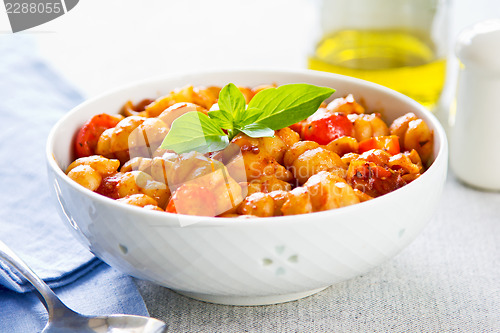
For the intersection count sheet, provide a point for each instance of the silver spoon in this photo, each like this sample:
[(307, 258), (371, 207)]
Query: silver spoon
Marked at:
[(62, 319)]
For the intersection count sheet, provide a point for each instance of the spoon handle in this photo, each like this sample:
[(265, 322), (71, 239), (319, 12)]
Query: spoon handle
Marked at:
[(49, 299)]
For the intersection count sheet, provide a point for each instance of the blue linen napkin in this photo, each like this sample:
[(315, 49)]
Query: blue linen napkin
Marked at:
[(32, 99)]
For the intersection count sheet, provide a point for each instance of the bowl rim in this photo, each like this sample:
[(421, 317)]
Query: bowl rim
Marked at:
[(197, 221)]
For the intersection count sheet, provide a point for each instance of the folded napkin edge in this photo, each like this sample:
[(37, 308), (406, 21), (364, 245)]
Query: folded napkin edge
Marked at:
[(21, 285)]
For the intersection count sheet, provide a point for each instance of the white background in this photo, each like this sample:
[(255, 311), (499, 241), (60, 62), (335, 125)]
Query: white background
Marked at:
[(102, 44)]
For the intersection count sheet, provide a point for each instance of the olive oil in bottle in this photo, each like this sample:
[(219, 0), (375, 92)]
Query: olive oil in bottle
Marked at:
[(399, 59)]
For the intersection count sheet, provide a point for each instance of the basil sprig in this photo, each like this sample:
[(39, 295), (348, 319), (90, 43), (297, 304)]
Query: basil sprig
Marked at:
[(269, 110)]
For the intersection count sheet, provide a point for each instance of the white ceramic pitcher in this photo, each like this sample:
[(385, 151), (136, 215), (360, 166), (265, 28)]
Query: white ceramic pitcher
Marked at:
[(475, 135)]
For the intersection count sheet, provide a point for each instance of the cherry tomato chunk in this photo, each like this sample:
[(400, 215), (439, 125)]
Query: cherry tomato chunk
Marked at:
[(373, 179), (326, 128), (89, 133), (192, 199), (389, 143)]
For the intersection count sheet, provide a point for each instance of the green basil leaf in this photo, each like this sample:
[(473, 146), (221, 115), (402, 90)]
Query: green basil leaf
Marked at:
[(288, 104), (195, 131), (249, 116), (257, 131), (231, 100), (223, 118)]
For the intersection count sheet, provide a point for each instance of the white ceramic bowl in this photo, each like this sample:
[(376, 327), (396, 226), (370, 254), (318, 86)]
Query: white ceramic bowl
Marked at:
[(247, 261)]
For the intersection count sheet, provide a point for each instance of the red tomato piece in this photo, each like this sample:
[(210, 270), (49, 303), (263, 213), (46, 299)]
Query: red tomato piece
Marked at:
[(192, 199), (89, 133), (388, 143), (373, 179), (328, 127)]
